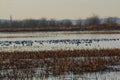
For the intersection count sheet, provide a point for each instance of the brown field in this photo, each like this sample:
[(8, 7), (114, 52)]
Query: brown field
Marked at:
[(59, 62), (107, 29)]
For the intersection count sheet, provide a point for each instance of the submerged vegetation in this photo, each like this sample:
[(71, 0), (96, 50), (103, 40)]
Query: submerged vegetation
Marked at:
[(28, 64)]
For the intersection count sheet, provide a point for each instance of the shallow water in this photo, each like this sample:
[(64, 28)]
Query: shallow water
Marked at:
[(69, 42), (47, 41)]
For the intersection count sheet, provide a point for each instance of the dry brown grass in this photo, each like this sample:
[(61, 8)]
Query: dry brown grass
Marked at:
[(58, 62), (67, 55), (62, 28)]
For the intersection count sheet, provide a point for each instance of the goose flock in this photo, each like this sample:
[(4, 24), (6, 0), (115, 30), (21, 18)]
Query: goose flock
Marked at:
[(42, 42), (60, 43)]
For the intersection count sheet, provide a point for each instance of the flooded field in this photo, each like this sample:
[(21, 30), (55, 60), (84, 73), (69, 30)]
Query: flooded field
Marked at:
[(40, 41), (98, 58)]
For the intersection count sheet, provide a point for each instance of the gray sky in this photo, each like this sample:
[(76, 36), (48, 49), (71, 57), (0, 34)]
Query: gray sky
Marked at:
[(58, 9)]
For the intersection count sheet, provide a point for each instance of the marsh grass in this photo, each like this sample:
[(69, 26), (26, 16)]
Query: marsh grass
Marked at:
[(25, 64)]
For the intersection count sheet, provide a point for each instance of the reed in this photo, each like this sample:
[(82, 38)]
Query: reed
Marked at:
[(25, 64)]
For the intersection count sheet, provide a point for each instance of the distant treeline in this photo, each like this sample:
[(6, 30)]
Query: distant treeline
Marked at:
[(90, 23)]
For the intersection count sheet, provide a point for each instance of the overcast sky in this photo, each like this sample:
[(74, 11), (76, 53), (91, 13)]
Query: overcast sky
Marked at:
[(58, 9)]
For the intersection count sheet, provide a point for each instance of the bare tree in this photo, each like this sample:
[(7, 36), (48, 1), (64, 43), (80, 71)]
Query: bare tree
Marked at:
[(92, 21), (52, 22), (30, 23), (111, 20), (43, 22), (79, 22), (67, 23)]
